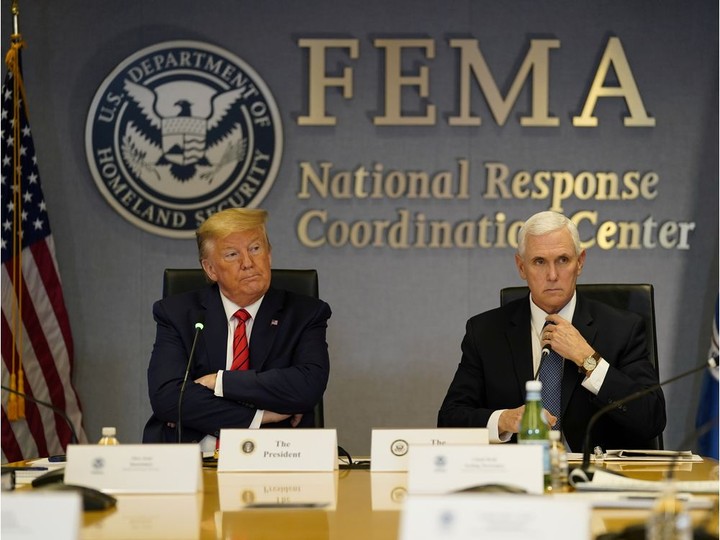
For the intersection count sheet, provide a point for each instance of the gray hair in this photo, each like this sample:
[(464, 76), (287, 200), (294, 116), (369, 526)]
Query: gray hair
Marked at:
[(544, 223)]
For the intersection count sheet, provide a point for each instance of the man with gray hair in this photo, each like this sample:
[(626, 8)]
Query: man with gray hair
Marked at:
[(600, 353)]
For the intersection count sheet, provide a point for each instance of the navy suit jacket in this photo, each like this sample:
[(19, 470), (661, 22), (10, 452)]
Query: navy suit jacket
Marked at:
[(289, 364), (497, 361)]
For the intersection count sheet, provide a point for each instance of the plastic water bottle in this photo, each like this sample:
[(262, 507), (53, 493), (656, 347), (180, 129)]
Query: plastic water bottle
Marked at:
[(669, 519), (533, 426), (108, 437), (558, 464)]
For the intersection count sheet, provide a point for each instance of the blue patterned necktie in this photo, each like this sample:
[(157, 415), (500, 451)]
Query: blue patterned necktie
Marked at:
[(551, 373)]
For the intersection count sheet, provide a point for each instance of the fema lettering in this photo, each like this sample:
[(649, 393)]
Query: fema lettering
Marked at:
[(181, 130)]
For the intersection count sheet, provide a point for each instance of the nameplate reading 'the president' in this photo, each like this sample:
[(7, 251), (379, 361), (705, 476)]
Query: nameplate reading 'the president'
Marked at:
[(440, 470), (135, 468), (244, 450), (390, 448)]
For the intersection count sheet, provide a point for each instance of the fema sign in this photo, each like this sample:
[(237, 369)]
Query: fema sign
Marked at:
[(179, 131)]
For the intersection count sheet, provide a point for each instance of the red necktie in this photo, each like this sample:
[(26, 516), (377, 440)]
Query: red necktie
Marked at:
[(241, 352), (241, 348)]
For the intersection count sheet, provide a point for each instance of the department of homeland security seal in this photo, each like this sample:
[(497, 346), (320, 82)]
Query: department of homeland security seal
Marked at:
[(179, 131)]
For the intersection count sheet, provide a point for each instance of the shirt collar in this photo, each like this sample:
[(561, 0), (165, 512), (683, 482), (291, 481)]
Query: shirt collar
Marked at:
[(538, 316), (231, 307)]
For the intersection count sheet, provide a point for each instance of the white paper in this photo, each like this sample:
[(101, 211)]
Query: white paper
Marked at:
[(607, 481)]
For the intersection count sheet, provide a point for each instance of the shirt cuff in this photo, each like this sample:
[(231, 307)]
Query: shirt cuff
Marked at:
[(257, 420), (594, 382), (218, 384), (492, 427)]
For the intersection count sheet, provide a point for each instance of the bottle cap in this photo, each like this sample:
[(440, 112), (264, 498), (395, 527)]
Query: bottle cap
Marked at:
[(533, 386), (108, 432), (554, 435)]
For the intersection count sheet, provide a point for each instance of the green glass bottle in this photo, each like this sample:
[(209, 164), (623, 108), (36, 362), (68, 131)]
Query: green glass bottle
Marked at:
[(533, 426)]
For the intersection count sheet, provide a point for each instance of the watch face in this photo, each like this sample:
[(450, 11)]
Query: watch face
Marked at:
[(589, 363)]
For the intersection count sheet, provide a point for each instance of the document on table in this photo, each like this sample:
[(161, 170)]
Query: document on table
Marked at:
[(607, 481), (34, 468), (681, 456)]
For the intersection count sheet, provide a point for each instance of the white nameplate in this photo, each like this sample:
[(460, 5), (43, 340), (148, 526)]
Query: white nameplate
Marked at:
[(27, 515), (510, 517), (277, 490), (445, 469), (136, 468), (389, 448), (277, 450)]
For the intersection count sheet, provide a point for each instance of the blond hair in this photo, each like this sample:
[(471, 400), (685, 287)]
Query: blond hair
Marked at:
[(228, 221)]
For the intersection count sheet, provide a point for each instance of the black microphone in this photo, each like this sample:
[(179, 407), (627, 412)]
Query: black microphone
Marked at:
[(711, 362), (57, 410), (199, 325)]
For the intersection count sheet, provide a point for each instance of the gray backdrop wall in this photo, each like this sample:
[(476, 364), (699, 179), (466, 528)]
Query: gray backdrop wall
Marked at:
[(399, 312)]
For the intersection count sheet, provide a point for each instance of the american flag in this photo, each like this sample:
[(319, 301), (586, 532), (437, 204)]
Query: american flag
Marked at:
[(37, 346)]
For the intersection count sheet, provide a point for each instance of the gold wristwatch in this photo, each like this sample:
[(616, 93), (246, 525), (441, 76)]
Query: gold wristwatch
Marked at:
[(590, 363)]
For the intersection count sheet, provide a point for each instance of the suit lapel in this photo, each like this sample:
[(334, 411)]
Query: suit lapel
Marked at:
[(572, 375), (215, 331), (518, 336), (265, 327)]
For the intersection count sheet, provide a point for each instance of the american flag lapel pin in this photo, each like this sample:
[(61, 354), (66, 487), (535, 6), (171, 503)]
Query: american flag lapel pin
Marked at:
[(274, 322)]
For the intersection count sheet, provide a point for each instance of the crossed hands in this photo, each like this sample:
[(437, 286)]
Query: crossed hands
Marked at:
[(269, 417)]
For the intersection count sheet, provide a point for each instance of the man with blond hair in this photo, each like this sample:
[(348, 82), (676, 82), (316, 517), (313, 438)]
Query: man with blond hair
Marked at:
[(286, 371)]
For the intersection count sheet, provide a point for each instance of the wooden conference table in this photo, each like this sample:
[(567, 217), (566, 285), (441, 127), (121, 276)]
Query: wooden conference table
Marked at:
[(367, 507)]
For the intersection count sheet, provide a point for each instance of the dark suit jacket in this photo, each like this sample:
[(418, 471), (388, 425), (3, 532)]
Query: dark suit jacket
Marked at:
[(497, 361), (288, 373)]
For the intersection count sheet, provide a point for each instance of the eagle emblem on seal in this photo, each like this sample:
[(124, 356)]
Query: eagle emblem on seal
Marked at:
[(186, 138)]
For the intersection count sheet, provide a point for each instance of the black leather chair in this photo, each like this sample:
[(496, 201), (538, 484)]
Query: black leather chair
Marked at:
[(179, 280), (636, 297)]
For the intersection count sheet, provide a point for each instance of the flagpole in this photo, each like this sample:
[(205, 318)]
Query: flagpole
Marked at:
[(15, 10)]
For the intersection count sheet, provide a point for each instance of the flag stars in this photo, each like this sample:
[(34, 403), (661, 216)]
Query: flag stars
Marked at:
[(27, 196), (42, 206), (33, 178), (7, 225), (26, 131), (38, 224), (24, 215)]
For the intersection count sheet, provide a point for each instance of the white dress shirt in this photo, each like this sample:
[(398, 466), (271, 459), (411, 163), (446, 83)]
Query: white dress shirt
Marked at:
[(230, 307)]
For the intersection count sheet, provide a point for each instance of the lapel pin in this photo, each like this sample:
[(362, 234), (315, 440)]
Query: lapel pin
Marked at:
[(274, 322)]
